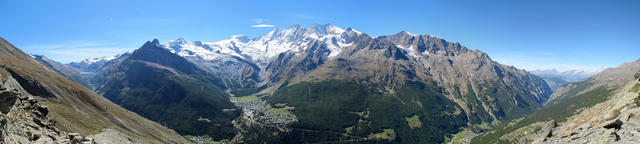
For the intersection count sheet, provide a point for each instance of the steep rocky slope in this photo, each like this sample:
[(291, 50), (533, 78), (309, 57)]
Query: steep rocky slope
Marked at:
[(616, 120), (487, 89), (590, 111), (613, 119), (41, 105), (555, 83)]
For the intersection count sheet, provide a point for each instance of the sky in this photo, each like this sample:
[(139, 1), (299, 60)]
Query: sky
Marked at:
[(534, 34)]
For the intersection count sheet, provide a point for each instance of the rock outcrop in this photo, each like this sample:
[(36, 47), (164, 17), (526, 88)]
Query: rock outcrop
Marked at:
[(25, 120), (616, 120)]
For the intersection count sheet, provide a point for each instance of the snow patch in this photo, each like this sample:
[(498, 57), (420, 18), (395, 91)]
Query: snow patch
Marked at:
[(94, 60)]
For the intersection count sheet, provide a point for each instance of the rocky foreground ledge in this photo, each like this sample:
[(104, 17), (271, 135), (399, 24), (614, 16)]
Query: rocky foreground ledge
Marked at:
[(616, 120), (23, 119)]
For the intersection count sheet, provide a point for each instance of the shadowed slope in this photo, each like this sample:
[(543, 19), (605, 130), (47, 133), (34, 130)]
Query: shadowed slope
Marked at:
[(168, 89)]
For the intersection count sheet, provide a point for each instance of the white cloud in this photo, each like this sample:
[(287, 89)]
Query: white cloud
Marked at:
[(261, 26)]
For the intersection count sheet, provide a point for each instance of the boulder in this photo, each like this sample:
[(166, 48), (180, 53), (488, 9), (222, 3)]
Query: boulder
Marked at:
[(7, 100), (617, 124), (43, 109), (546, 131), (72, 135)]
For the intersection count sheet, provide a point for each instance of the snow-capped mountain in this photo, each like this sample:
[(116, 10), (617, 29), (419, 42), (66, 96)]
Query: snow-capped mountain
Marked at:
[(569, 75), (246, 59), (95, 64), (259, 50), (94, 60)]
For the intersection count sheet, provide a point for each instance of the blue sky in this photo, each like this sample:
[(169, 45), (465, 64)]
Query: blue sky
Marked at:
[(540, 34)]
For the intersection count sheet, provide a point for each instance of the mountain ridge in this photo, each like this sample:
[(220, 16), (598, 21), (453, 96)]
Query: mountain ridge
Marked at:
[(284, 62), (166, 88)]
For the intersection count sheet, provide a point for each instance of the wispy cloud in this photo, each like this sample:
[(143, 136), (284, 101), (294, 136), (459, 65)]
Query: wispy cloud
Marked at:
[(262, 25), (77, 50)]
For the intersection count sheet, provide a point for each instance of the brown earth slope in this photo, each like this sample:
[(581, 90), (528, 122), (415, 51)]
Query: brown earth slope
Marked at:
[(70, 106)]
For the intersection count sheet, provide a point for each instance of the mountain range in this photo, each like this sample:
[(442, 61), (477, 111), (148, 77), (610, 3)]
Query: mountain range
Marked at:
[(325, 84), (316, 84), (569, 75)]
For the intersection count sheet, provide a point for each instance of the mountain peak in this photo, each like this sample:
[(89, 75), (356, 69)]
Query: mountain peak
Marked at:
[(296, 26), (349, 29), (180, 40), (327, 29), (406, 33), (150, 45), (156, 53)]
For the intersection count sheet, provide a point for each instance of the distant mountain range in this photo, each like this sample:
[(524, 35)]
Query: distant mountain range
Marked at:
[(555, 79), (569, 76), (320, 84)]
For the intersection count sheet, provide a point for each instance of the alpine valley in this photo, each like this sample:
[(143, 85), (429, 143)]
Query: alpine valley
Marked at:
[(321, 84)]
